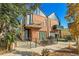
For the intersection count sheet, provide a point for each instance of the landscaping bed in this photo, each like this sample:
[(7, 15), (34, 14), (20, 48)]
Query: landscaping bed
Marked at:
[(2, 51), (62, 52)]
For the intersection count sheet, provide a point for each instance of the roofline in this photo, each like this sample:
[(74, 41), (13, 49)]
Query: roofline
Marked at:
[(50, 14), (58, 19), (40, 10)]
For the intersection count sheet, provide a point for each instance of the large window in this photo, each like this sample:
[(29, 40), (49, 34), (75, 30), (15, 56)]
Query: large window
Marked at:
[(29, 19)]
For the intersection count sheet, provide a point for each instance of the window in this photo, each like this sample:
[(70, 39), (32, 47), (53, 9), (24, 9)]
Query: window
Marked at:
[(29, 19), (55, 27)]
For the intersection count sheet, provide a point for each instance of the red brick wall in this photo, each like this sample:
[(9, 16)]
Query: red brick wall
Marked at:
[(41, 19), (35, 34), (37, 19)]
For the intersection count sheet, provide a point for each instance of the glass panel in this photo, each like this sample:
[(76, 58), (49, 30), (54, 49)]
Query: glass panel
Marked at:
[(29, 19), (26, 35)]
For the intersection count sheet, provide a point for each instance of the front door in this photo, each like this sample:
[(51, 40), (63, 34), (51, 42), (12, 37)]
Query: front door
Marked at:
[(27, 35)]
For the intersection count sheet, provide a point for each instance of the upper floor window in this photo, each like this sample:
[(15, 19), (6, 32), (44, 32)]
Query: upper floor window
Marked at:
[(29, 19), (55, 27)]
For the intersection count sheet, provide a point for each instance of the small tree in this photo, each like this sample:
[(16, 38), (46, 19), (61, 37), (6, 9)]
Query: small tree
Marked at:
[(10, 38), (8, 22), (73, 13)]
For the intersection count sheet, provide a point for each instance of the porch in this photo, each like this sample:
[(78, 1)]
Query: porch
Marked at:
[(31, 32)]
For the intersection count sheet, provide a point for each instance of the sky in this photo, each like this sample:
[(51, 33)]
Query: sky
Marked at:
[(60, 9)]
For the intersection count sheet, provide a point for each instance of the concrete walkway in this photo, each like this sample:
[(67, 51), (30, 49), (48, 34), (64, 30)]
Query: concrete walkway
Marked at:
[(22, 49)]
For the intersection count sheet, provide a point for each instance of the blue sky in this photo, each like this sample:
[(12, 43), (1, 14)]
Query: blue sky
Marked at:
[(59, 8)]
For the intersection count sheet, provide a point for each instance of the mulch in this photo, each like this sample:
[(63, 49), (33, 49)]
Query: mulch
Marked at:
[(64, 52), (3, 51)]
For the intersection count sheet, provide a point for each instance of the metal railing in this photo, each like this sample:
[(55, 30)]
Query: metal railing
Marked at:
[(36, 43), (32, 44)]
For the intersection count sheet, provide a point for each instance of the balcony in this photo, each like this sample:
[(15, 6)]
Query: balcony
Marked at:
[(57, 27), (32, 26)]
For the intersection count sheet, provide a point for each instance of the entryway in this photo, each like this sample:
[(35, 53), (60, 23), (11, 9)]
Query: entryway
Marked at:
[(27, 35)]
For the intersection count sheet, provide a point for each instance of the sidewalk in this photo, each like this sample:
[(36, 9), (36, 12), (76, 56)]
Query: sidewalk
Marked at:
[(38, 50)]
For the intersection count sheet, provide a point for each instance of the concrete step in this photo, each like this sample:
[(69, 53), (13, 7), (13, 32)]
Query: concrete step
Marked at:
[(26, 44)]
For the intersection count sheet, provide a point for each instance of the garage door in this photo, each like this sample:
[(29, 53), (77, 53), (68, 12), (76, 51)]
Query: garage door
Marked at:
[(42, 36)]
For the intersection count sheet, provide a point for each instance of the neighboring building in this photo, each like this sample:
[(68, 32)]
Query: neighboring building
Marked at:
[(38, 27), (65, 32)]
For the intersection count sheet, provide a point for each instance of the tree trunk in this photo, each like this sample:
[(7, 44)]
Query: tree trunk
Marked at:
[(8, 47), (78, 45)]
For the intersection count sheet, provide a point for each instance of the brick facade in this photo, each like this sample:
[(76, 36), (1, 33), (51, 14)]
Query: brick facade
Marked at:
[(39, 24)]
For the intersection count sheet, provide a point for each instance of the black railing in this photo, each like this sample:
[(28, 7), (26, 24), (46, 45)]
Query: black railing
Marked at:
[(37, 42), (32, 44)]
